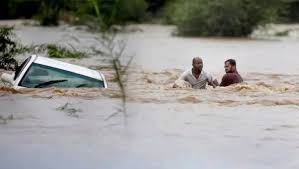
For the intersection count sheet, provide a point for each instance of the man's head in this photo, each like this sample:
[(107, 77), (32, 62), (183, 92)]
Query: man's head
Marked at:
[(230, 66), (197, 63)]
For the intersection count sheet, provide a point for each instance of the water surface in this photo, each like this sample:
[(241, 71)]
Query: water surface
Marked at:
[(252, 125)]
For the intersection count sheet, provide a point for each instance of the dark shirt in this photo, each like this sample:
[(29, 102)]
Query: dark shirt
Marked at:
[(231, 78)]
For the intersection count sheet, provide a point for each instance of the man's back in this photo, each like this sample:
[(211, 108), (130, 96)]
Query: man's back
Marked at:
[(231, 78)]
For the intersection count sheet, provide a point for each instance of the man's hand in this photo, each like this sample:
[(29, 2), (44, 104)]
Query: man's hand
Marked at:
[(214, 83)]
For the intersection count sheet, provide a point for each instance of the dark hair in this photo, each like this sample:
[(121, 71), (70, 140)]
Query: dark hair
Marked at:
[(231, 62)]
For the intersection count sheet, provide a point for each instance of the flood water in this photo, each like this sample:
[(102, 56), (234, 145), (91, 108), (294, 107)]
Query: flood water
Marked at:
[(253, 125)]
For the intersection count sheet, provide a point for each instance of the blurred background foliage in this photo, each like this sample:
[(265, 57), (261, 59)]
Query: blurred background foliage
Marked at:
[(223, 17), (192, 17)]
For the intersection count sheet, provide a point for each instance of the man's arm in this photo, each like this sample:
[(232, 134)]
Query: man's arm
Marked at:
[(215, 82), (183, 77), (212, 82)]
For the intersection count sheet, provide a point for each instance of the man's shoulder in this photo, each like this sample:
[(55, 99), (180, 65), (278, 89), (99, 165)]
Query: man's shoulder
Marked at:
[(230, 75), (187, 72), (207, 74)]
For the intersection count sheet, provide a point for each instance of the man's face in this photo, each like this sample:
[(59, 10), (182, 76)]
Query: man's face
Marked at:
[(228, 67), (197, 64)]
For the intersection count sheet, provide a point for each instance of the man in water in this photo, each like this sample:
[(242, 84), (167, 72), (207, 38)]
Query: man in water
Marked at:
[(232, 76), (197, 77)]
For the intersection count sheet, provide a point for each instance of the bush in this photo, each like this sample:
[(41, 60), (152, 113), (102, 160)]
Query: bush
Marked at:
[(55, 51), (292, 14), (11, 9), (50, 11), (222, 17), (131, 10), (8, 49), (110, 12)]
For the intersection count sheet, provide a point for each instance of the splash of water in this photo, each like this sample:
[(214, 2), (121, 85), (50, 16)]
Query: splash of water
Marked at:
[(163, 87)]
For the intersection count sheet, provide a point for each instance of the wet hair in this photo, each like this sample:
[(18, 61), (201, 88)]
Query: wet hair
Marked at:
[(231, 62)]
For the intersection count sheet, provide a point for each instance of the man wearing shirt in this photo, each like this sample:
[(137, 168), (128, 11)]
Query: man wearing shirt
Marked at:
[(197, 77), (232, 76)]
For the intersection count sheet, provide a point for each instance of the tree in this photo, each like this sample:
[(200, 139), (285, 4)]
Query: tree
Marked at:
[(222, 17)]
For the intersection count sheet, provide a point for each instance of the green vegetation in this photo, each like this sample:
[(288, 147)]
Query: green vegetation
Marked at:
[(55, 51), (12, 9), (131, 10), (114, 50), (105, 13), (282, 33), (49, 12), (8, 49), (222, 18), (192, 17), (291, 14)]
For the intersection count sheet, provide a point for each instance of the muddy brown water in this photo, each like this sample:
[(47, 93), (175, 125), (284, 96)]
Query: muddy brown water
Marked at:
[(252, 125)]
